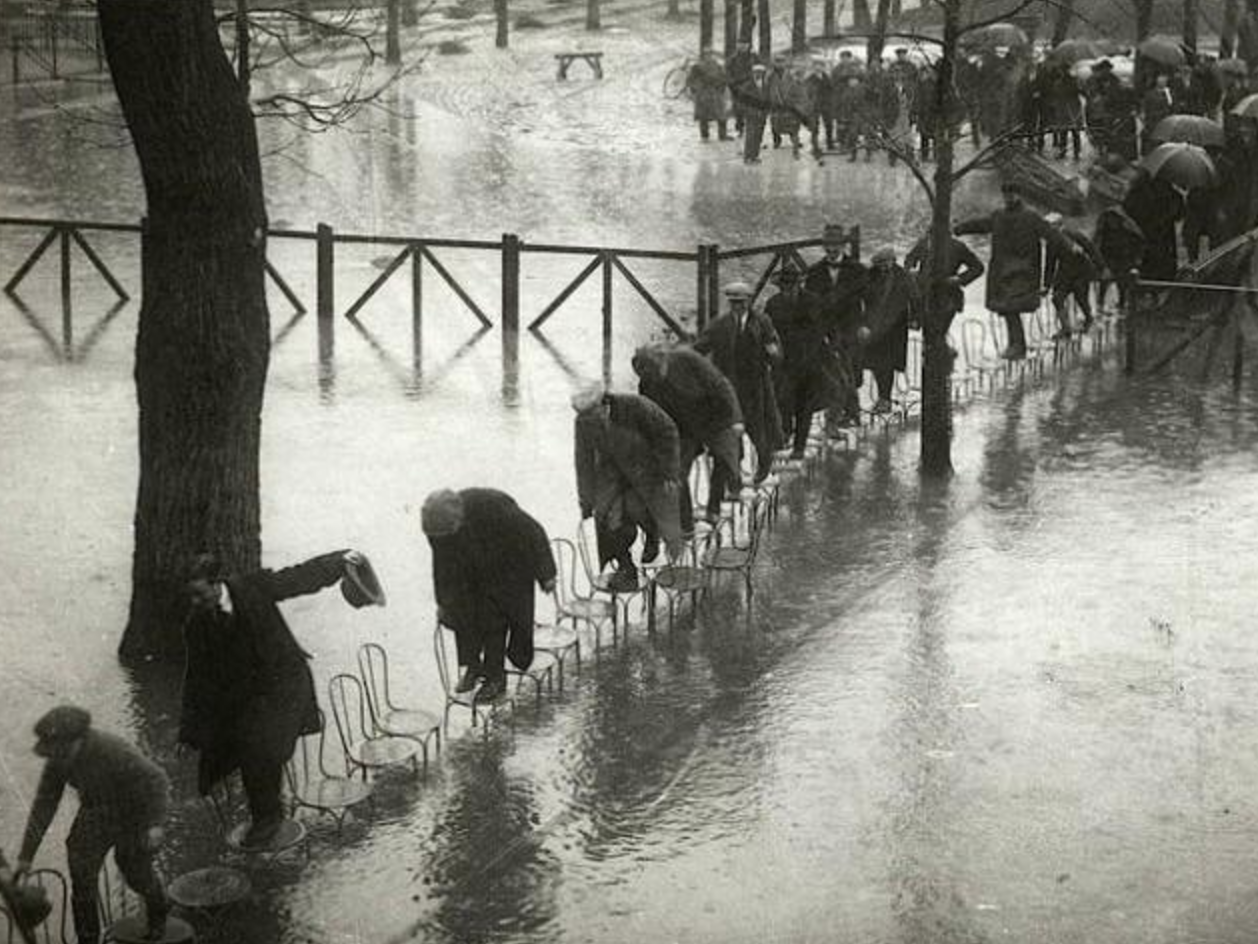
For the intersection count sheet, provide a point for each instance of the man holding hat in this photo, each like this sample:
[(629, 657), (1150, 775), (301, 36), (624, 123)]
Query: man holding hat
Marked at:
[(837, 282), (487, 554), (746, 349), (703, 405), (1014, 274), (122, 803), (628, 466), (248, 694), (801, 380)]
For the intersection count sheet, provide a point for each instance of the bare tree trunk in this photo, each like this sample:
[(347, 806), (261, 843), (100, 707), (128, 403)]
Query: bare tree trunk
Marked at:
[(829, 18), (410, 12), (1061, 25), (896, 11), (731, 28), (766, 30), (1227, 32), (1144, 19), (593, 15), (674, 10), (707, 23), (878, 39), (747, 20), (392, 42), (1190, 25), (799, 26), (861, 20), (936, 455), (204, 330), (501, 14)]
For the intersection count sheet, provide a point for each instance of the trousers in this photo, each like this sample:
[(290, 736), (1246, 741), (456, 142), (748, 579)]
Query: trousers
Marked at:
[(93, 834)]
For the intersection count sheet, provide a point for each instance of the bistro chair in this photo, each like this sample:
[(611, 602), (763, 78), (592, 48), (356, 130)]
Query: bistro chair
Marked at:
[(448, 672), (54, 929), (570, 604), (312, 786), (556, 643), (226, 801), (601, 583), (362, 747), (730, 553), (207, 895), (680, 577), (122, 920), (980, 348), (386, 717)]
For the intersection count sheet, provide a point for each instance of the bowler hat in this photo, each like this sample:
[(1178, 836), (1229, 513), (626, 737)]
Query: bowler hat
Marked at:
[(787, 274), (833, 233), (63, 723), (360, 586), (885, 254)]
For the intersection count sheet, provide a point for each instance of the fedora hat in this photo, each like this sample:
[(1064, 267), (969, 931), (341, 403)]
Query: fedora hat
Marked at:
[(63, 723), (833, 233), (788, 274), (360, 586)]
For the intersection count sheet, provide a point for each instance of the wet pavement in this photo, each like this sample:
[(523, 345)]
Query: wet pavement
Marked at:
[(1018, 707)]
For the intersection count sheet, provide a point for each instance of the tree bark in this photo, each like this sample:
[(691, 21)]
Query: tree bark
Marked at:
[(766, 30), (204, 330), (829, 18), (936, 454), (1190, 25), (799, 26), (243, 53), (731, 28), (1227, 32), (503, 26), (393, 26), (1061, 25), (593, 15), (1144, 19), (747, 20), (878, 39), (707, 24)]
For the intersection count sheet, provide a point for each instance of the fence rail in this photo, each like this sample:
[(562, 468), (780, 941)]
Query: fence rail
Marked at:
[(57, 43), (419, 256)]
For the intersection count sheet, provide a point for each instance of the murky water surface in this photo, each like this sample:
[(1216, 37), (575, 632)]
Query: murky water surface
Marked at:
[(1017, 708)]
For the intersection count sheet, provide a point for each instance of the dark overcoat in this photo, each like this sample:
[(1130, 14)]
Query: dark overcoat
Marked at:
[(1156, 207), (247, 688), (959, 263), (748, 358), (690, 389), (806, 353), (1015, 272), (623, 464), (707, 85), (483, 574), (891, 302)]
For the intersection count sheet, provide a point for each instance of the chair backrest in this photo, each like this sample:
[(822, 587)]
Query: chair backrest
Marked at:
[(307, 763), (756, 526), (113, 901), (911, 377), (565, 553), (441, 648), (586, 536), (349, 707), (54, 929), (373, 669), (974, 341)]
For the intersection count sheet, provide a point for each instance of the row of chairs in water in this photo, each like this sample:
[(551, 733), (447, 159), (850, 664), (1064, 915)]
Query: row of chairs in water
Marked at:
[(374, 732)]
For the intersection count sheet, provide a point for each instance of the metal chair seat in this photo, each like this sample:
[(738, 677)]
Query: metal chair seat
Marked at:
[(727, 558), (336, 794), (216, 886), (383, 752), (290, 835), (593, 609), (405, 722), (681, 579), (133, 929)]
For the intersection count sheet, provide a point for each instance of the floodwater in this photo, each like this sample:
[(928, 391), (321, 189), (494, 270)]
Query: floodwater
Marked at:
[(1019, 707)]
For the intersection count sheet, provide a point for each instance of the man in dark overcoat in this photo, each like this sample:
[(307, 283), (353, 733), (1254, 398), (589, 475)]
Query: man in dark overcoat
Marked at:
[(744, 346), (961, 267), (754, 99), (1070, 275), (248, 694), (1120, 242), (707, 86), (1015, 272), (801, 380), (702, 404), (123, 798), (891, 302), (487, 553), (1156, 206), (627, 465), (837, 282)]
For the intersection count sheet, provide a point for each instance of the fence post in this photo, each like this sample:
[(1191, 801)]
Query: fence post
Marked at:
[(417, 307), (510, 302), (607, 315), (67, 313), (701, 288), (325, 295), (856, 242), (1238, 363), (714, 280), (1129, 327)]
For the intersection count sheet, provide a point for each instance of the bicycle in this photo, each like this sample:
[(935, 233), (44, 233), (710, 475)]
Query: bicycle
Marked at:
[(677, 80)]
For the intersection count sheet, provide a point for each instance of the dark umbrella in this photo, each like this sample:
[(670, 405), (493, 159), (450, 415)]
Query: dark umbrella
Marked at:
[(1071, 51), (1162, 49), (1184, 165), (1001, 34), (1237, 67), (1189, 129), (1247, 107)]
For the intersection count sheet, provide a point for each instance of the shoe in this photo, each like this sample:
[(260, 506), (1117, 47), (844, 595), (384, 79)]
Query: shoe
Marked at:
[(263, 832), (650, 549), (491, 691), (624, 580), (468, 681)]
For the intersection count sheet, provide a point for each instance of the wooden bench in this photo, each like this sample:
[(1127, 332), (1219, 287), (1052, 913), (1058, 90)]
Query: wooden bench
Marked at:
[(595, 59)]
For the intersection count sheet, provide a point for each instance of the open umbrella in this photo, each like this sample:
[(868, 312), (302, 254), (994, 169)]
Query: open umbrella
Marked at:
[(1184, 165), (1071, 51), (1001, 34), (1162, 49), (1189, 129), (1236, 67), (1247, 107)]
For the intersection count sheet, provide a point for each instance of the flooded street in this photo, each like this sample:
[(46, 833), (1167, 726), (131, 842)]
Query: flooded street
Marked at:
[(1019, 707)]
